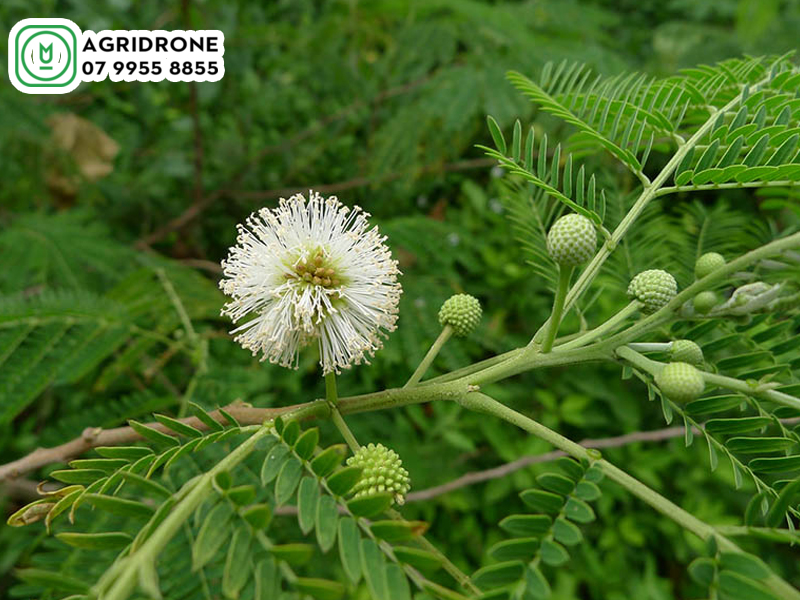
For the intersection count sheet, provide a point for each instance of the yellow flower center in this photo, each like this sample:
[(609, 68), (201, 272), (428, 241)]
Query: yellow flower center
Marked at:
[(316, 270)]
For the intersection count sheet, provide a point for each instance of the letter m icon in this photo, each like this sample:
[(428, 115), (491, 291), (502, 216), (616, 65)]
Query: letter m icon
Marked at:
[(46, 52)]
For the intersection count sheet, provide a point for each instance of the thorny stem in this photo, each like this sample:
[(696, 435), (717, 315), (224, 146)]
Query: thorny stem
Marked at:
[(485, 404), (332, 396), (564, 275), (420, 371)]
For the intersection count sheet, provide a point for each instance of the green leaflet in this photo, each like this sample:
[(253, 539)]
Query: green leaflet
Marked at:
[(307, 500), (213, 534)]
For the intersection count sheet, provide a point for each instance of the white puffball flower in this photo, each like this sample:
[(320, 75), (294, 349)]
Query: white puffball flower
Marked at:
[(311, 270)]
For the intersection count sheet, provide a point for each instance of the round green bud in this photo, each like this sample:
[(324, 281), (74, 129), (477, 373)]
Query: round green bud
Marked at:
[(462, 312), (571, 240), (704, 302), (654, 288), (382, 471), (680, 382), (707, 264), (686, 351)]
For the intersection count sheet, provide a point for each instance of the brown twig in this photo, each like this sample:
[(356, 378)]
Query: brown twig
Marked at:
[(204, 265), (508, 468), (92, 437)]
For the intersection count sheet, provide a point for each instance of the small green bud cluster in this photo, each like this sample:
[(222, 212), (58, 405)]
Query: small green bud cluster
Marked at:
[(654, 288), (382, 471), (462, 312), (686, 351), (704, 302), (680, 382), (571, 240), (707, 264)]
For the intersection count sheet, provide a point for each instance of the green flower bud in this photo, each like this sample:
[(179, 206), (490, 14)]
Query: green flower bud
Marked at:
[(571, 240), (462, 312), (704, 302), (686, 351), (680, 382), (707, 264), (654, 288), (382, 472)]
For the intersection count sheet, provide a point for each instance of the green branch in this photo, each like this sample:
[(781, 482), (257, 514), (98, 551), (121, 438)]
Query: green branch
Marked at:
[(649, 192), (635, 332), (598, 331), (487, 405), (725, 186), (758, 390)]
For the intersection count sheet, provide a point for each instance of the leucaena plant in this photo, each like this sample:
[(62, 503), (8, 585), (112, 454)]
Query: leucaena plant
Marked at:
[(313, 275)]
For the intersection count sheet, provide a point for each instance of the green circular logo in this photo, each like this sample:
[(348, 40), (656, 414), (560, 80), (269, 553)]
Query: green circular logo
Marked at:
[(43, 61)]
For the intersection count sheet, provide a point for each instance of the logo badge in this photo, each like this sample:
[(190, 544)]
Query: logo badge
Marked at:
[(43, 56)]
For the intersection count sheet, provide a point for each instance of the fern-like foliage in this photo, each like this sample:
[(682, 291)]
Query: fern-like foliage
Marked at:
[(569, 185), (731, 574), (229, 538), (61, 336), (752, 142), (530, 212), (54, 338), (71, 250), (748, 430), (541, 537)]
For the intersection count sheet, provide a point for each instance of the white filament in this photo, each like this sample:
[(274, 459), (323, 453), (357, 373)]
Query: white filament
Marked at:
[(289, 312)]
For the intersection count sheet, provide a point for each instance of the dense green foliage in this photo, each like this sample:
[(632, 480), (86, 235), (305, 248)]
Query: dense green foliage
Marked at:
[(109, 307)]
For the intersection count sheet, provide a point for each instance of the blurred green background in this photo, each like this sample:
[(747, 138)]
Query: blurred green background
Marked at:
[(117, 187)]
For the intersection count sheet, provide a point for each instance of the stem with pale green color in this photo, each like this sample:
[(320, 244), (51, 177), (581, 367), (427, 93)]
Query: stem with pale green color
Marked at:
[(764, 392), (651, 346), (564, 275), (332, 396), (667, 312), (598, 331), (420, 371)]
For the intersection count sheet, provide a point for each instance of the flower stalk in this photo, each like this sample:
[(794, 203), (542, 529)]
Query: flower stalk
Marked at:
[(433, 352), (564, 275), (332, 397)]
